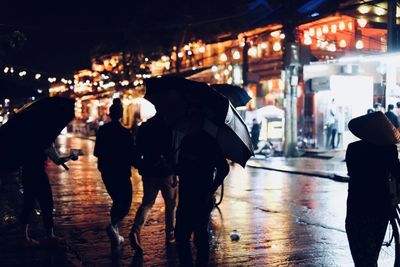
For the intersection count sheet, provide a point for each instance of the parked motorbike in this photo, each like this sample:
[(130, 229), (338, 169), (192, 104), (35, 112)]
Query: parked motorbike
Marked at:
[(265, 148)]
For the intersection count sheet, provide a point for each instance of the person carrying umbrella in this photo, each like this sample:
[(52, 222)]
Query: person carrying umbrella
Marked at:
[(30, 135), (36, 186), (114, 149), (208, 130), (370, 163), (199, 157)]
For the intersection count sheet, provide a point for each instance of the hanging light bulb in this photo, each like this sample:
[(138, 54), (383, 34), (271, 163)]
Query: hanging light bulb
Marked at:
[(311, 31), (325, 29)]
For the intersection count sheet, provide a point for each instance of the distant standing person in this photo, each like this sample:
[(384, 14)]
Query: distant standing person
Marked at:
[(340, 126), (370, 162), (397, 111), (331, 127), (255, 133), (154, 160), (392, 116), (114, 150), (199, 156)]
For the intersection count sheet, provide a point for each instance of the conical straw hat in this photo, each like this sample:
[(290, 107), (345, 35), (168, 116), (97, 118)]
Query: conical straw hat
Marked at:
[(375, 128)]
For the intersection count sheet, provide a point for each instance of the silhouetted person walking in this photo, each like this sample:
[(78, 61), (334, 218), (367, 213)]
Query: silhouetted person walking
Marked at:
[(36, 187), (154, 159), (370, 162), (114, 150), (255, 133), (199, 157)]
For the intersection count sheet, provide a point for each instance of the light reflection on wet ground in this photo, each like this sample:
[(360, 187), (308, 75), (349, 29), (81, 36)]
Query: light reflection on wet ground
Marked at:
[(282, 219)]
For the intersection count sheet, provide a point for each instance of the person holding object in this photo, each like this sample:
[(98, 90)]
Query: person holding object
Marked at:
[(199, 158), (36, 187), (370, 162), (114, 149)]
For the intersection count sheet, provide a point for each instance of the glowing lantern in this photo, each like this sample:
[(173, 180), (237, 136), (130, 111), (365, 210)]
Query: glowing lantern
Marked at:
[(362, 22), (342, 43), (333, 28), (236, 55), (364, 9), (223, 57), (275, 34), (252, 52), (350, 26), (277, 46), (325, 29), (307, 40), (319, 32), (311, 32), (342, 26), (359, 44)]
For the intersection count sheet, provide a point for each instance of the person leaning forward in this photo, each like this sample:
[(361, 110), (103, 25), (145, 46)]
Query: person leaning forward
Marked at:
[(114, 150), (153, 159)]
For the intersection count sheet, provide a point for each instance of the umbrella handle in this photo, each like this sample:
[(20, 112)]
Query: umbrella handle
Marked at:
[(65, 166)]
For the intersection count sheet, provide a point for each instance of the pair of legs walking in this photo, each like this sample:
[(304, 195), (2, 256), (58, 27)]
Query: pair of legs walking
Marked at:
[(193, 217), (151, 186), (365, 235), (119, 187), (37, 187)]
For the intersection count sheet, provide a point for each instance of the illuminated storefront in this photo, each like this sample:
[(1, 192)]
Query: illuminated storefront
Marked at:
[(355, 84)]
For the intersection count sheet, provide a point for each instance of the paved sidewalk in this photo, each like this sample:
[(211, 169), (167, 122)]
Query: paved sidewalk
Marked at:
[(329, 164)]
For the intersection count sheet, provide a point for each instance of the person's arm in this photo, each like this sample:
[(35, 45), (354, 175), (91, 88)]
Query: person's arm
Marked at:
[(52, 153), (98, 145), (137, 149), (222, 172)]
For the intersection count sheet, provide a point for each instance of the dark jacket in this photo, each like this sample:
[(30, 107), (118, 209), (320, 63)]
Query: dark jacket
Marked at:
[(153, 150), (393, 118), (199, 156), (369, 167), (114, 148)]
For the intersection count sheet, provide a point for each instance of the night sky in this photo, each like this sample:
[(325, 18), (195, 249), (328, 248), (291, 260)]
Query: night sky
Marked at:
[(61, 35)]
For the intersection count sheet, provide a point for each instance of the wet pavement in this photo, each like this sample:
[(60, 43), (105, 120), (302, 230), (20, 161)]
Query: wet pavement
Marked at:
[(284, 219), (327, 164)]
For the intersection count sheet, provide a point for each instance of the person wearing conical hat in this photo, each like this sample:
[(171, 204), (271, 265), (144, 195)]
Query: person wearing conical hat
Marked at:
[(370, 161)]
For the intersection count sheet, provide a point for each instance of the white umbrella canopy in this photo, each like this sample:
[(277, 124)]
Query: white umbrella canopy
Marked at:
[(270, 112)]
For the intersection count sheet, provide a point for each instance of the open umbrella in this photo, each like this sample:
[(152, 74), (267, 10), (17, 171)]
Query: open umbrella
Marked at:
[(34, 126), (237, 95), (173, 96)]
